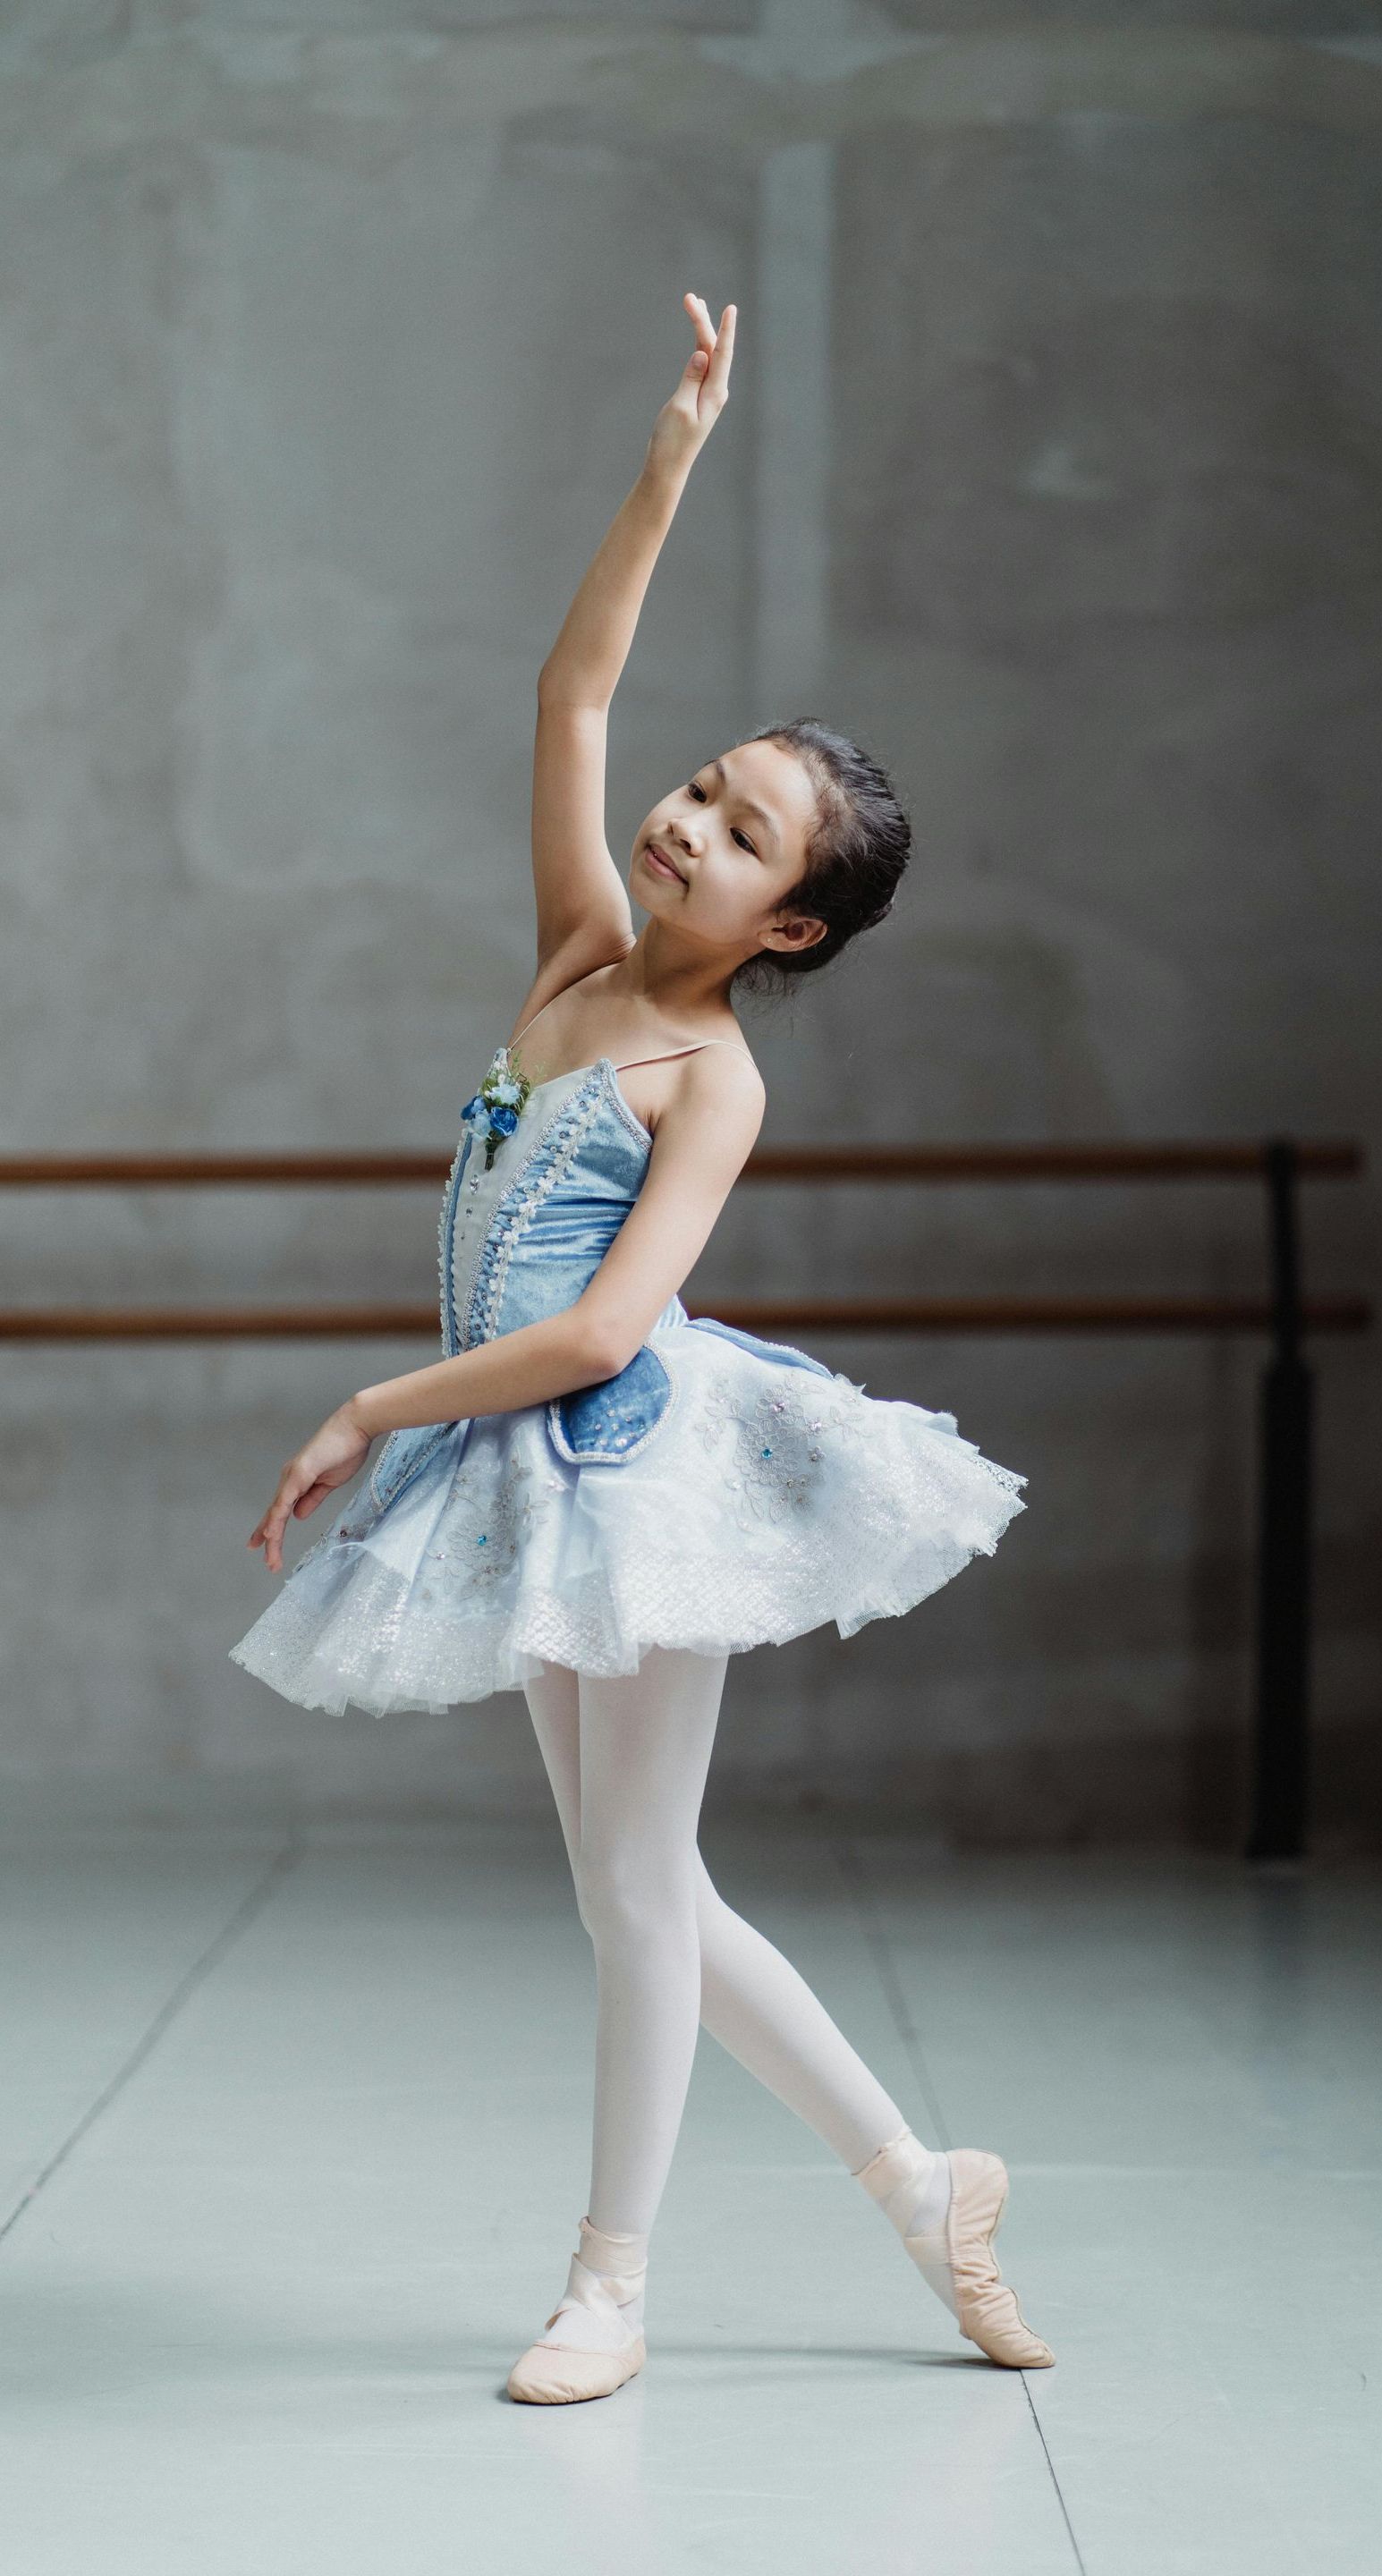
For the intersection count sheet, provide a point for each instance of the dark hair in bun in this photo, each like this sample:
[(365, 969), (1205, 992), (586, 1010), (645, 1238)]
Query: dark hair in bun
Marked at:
[(855, 856)]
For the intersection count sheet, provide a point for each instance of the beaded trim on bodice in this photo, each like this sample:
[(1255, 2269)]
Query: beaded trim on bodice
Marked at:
[(485, 1214)]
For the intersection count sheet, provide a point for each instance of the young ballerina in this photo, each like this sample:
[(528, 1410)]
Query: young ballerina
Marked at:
[(596, 1498)]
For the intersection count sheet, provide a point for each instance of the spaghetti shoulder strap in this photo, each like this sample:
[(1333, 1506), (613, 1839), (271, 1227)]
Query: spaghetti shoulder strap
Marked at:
[(673, 1052), (532, 1023)]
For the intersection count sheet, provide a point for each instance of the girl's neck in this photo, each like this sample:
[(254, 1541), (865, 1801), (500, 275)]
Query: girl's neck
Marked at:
[(678, 984)]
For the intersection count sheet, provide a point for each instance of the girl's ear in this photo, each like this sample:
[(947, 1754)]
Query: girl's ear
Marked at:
[(795, 930)]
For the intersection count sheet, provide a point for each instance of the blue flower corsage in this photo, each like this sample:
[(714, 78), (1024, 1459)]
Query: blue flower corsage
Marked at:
[(497, 1106)]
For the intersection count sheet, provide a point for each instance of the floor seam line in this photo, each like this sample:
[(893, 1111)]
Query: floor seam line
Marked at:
[(250, 1905), (1051, 2471)]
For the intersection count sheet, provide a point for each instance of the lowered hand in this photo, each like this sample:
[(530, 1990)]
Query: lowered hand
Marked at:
[(330, 1458)]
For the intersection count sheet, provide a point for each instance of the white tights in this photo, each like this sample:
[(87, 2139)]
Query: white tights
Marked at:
[(628, 1759)]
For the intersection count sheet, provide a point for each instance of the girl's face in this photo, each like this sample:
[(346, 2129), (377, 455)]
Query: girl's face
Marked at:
[(716, 856)]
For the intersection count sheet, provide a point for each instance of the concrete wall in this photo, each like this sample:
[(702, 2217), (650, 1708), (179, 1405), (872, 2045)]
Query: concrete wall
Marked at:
[(330, 332)]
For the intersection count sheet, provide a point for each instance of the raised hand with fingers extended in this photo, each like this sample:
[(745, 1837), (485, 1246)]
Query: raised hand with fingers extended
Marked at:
[(686, 420)]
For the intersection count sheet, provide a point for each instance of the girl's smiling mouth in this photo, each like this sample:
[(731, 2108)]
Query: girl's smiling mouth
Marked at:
[(659, 862)]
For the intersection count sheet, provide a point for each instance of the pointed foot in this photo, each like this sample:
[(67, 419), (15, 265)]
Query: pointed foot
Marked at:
[(986, 2307)]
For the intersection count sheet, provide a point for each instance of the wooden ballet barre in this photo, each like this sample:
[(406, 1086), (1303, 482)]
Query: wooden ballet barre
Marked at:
[(1216, 1160), (763, 1315), (1286, 1315)]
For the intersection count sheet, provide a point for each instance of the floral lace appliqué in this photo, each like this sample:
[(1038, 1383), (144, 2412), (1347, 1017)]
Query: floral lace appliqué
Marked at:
[(485, 1533), (778, 1441)]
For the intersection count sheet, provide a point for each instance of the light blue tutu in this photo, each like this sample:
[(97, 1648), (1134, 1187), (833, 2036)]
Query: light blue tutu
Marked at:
[(720, 1493)]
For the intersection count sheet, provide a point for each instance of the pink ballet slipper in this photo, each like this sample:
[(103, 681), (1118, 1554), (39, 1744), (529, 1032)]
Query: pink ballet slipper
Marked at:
[(589, 2348)]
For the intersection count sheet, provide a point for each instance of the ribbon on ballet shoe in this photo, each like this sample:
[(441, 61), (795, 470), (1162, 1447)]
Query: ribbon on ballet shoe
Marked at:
[(891, 2177), (931, 2254), (601, 2307), (901, 2178), (614, 2258), (589, 2316), (593, 2340)]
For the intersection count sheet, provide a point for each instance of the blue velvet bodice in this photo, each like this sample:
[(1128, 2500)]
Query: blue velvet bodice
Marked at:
[(524, 1239)]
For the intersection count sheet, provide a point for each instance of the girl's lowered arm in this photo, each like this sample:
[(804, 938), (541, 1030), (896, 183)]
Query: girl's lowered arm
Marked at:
[(703, 1139), (582, 907)]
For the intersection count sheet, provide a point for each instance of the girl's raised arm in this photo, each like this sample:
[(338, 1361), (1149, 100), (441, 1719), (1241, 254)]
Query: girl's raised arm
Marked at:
[(583, 916)]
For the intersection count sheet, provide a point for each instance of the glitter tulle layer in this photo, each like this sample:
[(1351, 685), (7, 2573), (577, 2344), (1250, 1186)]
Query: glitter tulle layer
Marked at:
[(769, 1497)]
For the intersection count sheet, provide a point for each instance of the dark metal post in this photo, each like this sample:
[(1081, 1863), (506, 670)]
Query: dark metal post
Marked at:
[(1281, 1750)]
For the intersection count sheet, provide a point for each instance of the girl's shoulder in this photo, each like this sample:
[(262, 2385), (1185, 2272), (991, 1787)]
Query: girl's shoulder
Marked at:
[(719, 1049), (714, 1079), (715, 1074)]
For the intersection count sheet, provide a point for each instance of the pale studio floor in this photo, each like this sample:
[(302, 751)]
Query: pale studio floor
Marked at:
[(293, 2143)]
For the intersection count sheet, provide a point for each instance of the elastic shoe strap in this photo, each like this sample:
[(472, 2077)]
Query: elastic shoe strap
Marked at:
[(892, 2176), (602, 2283), (617, 2258)]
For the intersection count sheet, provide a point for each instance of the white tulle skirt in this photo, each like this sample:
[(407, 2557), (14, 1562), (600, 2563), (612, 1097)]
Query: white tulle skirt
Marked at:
[(770, 1499)]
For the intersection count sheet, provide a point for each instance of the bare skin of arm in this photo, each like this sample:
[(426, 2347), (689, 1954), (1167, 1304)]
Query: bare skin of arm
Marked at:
[(583, 914), (704, 1135)]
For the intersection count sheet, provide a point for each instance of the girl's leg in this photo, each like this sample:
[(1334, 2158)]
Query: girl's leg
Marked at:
[(554, 1705), (628, 1766), (753, 2001), (759, 2007), (645, 1745)]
